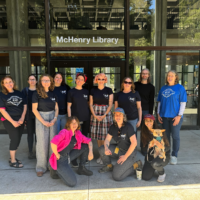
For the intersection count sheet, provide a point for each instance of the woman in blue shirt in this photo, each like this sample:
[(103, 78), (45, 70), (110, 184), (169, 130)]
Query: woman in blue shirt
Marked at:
[(172, 100)]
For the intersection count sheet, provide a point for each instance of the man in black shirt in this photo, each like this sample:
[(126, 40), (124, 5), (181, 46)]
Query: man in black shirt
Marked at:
[(147, 93), (125, 149)]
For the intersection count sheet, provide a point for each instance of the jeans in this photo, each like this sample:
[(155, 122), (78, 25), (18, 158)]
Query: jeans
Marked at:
[(133, 123), (173, 131), (64, 170), (120, 172), (61, 121)]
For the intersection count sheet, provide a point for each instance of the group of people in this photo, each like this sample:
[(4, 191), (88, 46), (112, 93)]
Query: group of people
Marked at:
[(66, 120)]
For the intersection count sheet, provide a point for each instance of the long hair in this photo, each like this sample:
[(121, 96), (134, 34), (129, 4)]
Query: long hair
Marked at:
[(60, 73), (69, 121), (132, 85), (124, 119), (148, 80), (4, 90), (176, 74), (98, 75), (40, 88), (147, 136)]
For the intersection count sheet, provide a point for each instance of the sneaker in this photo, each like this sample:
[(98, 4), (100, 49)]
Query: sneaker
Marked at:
[(106, 169), (161, 178), (31, 155), (173, 160), (84, 171), (98, 160), (74, 163), (53, 173)]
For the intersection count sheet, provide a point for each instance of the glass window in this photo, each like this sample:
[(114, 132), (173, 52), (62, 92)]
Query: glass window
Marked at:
[(87, 23), (3, 24)]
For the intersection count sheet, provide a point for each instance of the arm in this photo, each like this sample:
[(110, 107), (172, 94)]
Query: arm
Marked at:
[(132, 147), (55, 151), (116, 104), (151, 100), (107, 144), (56, 115), (90, 155), (8, 117), (180, 113), (37, 114), (21, 120), (91, 107), (158, 111), (69, 109), (138, 103)]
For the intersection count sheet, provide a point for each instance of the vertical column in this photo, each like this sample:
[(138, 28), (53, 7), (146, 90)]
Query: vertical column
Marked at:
[(17, 16)]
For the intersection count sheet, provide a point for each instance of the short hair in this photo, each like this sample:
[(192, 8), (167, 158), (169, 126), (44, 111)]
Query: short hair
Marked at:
[(63, 80), (176, 74), (32, 75), (69, 121), (148, 80), (98, 75)]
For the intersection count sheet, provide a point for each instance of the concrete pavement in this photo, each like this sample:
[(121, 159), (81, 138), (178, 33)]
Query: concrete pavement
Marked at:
[(182, 180)]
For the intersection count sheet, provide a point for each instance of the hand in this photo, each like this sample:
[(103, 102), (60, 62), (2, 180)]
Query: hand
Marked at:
[(108, 152), (47, 124), (52, 122), (21, 120), (102, 117), (160, 119), (16, 124), (122, 159), (176, 120), (57, 156), (90, 155), (138, 124), (98, 117)]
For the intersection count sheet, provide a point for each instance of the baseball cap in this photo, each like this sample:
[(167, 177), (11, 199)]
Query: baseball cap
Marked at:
[(121, 110), (149, 116)]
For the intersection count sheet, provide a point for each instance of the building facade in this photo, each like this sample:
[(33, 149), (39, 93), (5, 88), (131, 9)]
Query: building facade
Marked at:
[(117, 37)]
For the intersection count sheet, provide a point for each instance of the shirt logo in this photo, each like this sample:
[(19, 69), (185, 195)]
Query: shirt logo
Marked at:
[(131, 99), (14, 100), (167, 93), (63, 91), (53, 99), (85, 96), (105, 95), (123, 136)]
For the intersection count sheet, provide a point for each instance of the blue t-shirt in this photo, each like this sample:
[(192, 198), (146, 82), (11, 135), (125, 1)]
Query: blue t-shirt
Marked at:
[(170, 98)]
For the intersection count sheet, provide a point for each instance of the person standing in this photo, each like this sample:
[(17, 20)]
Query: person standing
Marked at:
[(45, 109), (13, 107), (130, 101), (172, 100), (61, 91), (101, 101), (77, 105), (30, 117)]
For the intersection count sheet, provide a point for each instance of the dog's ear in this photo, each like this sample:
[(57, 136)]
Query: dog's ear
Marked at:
[(152, 130), (163, 130)]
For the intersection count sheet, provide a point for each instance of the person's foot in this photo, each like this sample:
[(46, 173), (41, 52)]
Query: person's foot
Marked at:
[(74, 163), (106, 169), (39, 174), (31, 155), (53, 173), (161, 178), (173, 160), (137, 164), (84, 171)]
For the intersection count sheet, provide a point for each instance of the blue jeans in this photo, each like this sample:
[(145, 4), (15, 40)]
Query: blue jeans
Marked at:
[(144, 112), (133, 123), (173, 131), (61, 121)]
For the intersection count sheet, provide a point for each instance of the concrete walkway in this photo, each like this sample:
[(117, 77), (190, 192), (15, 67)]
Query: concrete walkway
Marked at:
[(182, 180)]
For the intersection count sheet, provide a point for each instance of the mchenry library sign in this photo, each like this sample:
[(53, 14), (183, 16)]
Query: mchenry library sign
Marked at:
[(71, 39)]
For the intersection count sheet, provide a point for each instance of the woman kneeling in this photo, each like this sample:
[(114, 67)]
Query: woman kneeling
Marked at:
[(70, 143), (125, 149)]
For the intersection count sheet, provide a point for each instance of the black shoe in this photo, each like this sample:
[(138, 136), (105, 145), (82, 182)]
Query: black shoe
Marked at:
[(53, 173), (74, 163), (83, 171), (31, 155), (106, 169)]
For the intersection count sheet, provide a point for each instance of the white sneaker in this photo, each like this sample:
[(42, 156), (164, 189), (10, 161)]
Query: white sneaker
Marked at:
[(173, 160), (98, 160), (161, 178)]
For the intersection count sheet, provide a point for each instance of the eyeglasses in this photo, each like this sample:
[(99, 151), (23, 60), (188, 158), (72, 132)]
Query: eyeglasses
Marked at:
[(46, 81), (78, 79), (126, 82), (145, 73), (100, 79)]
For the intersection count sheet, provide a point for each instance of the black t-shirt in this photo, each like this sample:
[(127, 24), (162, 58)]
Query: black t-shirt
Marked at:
[(127, 101), (147, 92), (122, 135), (101, 97), (61, 93), (30, 95), (79, 100), (70, 146), (45, 105), (13, 102)]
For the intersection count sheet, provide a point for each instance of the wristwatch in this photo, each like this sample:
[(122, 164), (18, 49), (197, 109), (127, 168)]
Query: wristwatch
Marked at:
[(55, 118)]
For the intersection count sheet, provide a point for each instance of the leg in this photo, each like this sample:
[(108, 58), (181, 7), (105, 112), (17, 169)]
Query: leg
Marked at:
[(133, 123), (176, 137), (85, 126), (158, 164), (58, 123), (167, 127), (147, 171), (120, 172), (144, 112), (30, 130), (63, 122)]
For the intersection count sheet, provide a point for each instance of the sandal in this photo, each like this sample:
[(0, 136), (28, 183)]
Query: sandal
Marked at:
[(16, 165), (16, 160)]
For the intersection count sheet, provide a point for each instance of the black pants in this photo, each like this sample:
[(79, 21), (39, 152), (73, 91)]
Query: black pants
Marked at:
[(150, 167), (85, 127), (15, 134), (30, 124), (64, 170)]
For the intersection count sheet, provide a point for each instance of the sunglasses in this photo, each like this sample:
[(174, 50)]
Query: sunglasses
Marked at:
[(126, 82), (100, 79)]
